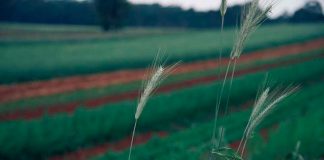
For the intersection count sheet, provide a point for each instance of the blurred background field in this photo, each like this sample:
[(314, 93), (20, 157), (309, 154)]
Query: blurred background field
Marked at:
[(71, 74), (57, 59), (28, 32)]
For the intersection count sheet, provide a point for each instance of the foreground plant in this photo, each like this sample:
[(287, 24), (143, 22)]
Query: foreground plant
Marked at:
[(263, 106), (156, 75), (223, 9), (252, 18), (222, 152)]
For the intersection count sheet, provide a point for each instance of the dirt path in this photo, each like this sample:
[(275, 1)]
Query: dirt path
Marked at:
[(60, 85), (35, 112)]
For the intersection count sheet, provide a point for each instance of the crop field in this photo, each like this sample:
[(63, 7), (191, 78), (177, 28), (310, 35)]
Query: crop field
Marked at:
[(58, 59), (73, 96)]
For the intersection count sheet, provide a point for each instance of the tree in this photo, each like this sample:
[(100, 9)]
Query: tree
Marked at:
[(311, 12), (111, 12)]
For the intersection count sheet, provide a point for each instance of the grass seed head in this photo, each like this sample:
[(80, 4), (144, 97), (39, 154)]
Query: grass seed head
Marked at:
[(223, 7), (252, 17), (265, 105), (259, 103), (149, 88), (157, 74)]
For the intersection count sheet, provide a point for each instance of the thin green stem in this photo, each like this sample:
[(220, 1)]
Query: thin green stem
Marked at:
[(230, 86), (220, 93), (219, 99), (243, 148), (221, 135), (243, 137), (131, 145), (222, 27), (221, 42)]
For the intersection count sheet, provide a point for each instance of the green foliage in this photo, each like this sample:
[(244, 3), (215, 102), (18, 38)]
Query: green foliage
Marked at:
[(90, 94), (36, 138), (43, 60), (194, 142), (307, 129)]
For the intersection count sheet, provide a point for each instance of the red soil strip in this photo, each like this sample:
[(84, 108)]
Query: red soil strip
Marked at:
[(60, 85), (86, 153), (31, 113)]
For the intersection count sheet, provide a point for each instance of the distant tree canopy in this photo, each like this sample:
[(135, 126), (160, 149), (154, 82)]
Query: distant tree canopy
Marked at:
[(111, 12), (311, 12), (47, 11), (158, 16)]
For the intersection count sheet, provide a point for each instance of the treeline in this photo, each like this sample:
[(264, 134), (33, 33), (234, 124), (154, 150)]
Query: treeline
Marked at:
[(84, 13), (48, 11)]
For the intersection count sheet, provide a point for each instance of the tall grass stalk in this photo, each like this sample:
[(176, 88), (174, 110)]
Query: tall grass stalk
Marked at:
[(264, 105), (218, 103), (257, 106), (230, 86), (223, 9), (157, 74), (221, 136), (252, 17)]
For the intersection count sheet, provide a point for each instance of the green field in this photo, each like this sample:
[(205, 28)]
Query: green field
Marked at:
[(45, 28), (26, 61), (186, 114), (89, 127), (25, 33), (193, 143), (89, 94)]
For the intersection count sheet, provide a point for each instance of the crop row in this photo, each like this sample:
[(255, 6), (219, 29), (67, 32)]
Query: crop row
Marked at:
[(95, 93), (193, 143), (42, 60), (62, 133)]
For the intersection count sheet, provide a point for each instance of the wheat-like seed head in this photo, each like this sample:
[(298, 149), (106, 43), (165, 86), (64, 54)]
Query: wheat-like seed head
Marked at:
[(259, 103), (266, 107), (149, 88), (223, 7), (157, 74), (252, 17)]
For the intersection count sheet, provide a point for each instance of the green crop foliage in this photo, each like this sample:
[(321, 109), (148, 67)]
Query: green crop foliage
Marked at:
[(43, 60), (36, 138), (88, 94), (308, 129), (193, 143)]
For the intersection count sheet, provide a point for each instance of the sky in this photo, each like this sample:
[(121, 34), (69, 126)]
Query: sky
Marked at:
[(282, 6)]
